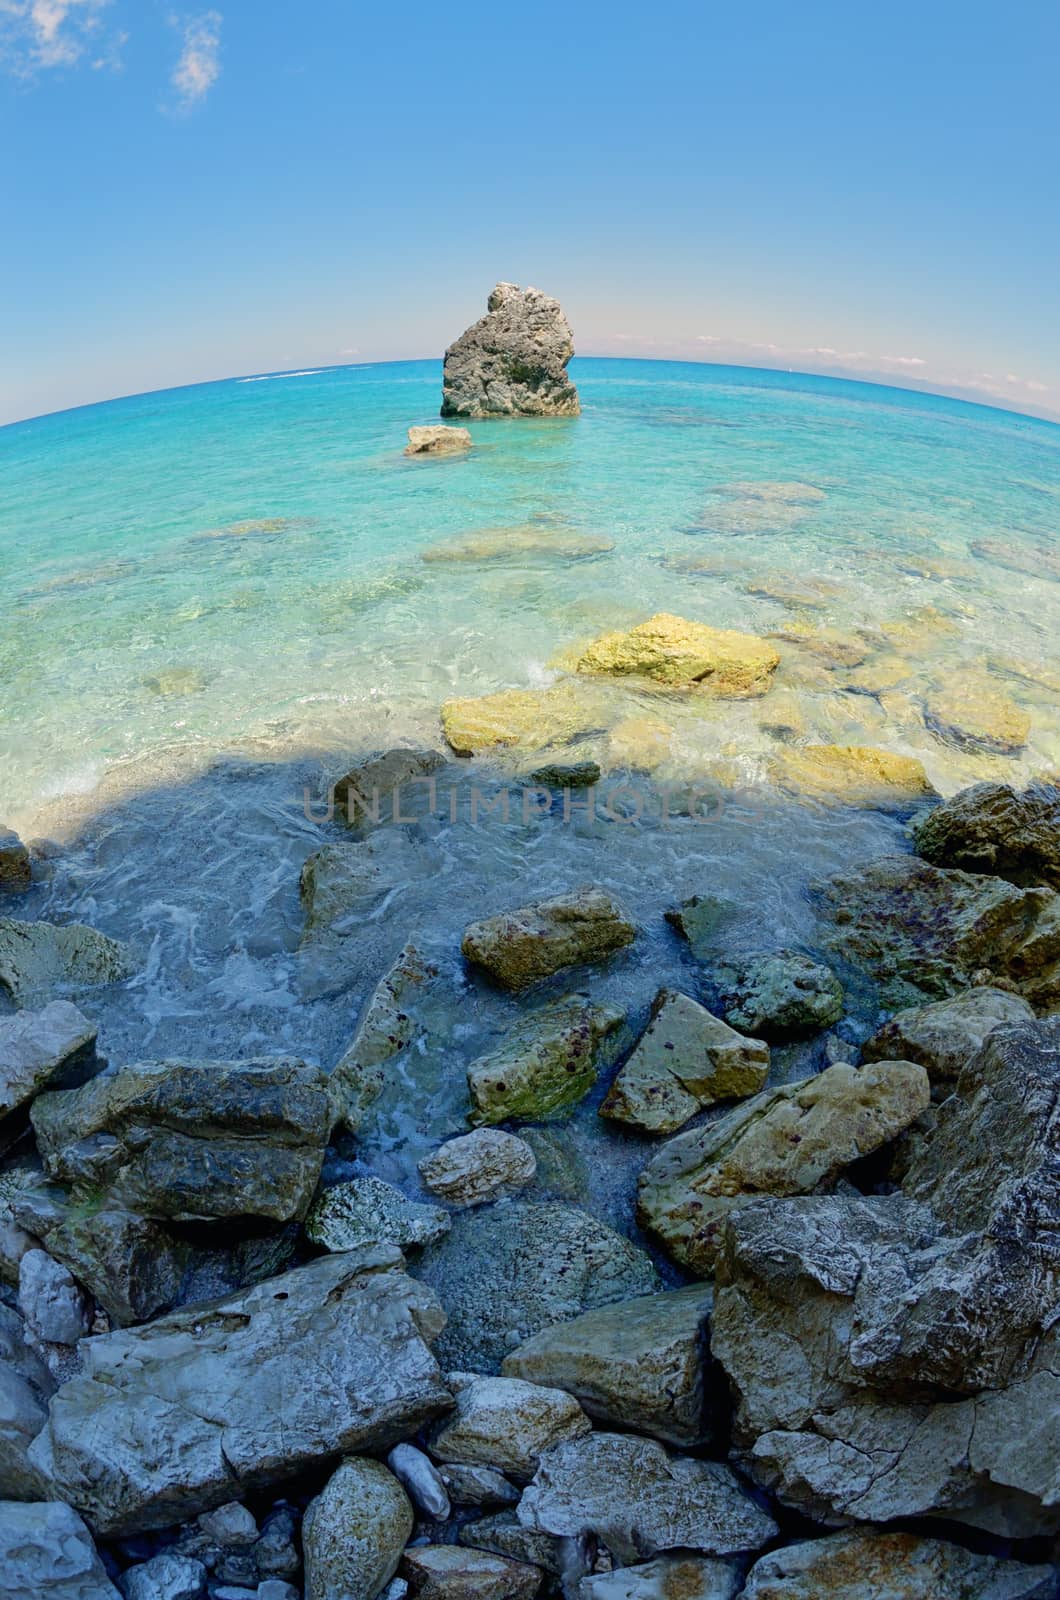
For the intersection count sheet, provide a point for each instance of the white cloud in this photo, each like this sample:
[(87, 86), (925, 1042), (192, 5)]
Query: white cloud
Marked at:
[(199, 66), (40, 34)]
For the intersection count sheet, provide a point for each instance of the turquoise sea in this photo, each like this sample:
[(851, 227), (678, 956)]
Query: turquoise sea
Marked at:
[(213, 597)]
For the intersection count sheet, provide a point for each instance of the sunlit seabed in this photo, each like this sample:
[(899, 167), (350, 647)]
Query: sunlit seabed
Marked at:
[(238, 568)]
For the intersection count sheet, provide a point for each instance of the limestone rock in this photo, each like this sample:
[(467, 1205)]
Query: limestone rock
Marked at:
[(891, 1566), (1037, 562), (506, 1271), (355, 1531), (944, 1035), (779, 994), (15, 870), (668, 1578), (177, 1417), (39, 961), (977, 713), (392, 787), (49, 1049), (519, 948), (165, 1577), (193, 1140), (852, 775), (685, 1059), (926, 932), (477, 1486), (789, 1140), (831, 646), (638, 1365), (640, 1500), (25, 1387), (545, 1065), (421, 1480), (698, 920), (451, 1572), (15, 1239), (368, 1211), (513, 361), (387, 1026), (478, 1167), (505, 1535), (53, 1305), (437, 440), (996, 829), (521, 719), (530, 541), (796, 591), (46, 1553), (567, 775), (505, 1423), (678, 654)]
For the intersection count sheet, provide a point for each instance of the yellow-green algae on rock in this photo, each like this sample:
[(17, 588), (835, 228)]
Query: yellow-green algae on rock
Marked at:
[(851, 775), (678, 654)]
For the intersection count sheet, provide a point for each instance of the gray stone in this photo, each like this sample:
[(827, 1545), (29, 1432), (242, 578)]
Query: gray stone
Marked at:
[(230, 1525), (995, 829), (388, 1025), (449, 1572), (567, 774), (277, 1589), (15, 870), (367, 1211), (49, 1049), (505, 1535), (437, 440), (478, 1167), (637, 1365), (40, 961), (699, 919), (175, 1418), (505, 1423), (392, 787), (546, 1063), (165, 1577), (513, 361), (53, 1305), (355, 1531), (640, 1500), (891, 1566), (506, 1271), (46, 1553), (944, 1035), (669, 1578), (420, 1479), (519, 948), (25, 1387), (477, 1486), (193, 1140), (15, 1240), (779, 994)]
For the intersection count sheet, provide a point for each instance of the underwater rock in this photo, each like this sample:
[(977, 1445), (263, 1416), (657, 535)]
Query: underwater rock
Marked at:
[(567, 775), (545, 1065), (1033, 563), (513, 361), (879, 675), (478, 1167), (685, 1059), (392, 787), (387, 1026), (640, 743), (452, 1572), (176, 681), (437, 440), (944, 1035), (974, 711), (668, 1578), (527, 541), (698, 920), (639, 1499), (678, 654), (54, 1048), (15, 870), (779, 994), (355, 1531), (995, 829), (524, 719), (861, 1562), (789, 1140), (831, 646), (193, 1140), (41, 960), (925, 932), (46, 1553), (172, 1419), (506, 1271), (781, 715), (519, 948), (797, 592), (368, 1211), (638, 1365), (771, 491), (852, 775), (504, 1423)]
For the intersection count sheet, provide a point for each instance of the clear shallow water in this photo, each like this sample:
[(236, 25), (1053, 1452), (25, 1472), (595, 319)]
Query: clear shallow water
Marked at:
[(239, 568)]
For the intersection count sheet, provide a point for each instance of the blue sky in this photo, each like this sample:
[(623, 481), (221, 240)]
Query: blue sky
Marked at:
[(191, 192)]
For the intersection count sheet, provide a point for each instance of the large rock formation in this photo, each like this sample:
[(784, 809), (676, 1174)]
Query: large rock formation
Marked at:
[(513, 361), (40, 961), (866, 1562), (996, 829), (49, 1049)]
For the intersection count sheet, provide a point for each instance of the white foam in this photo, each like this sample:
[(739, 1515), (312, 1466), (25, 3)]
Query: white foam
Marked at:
[(271, 377)]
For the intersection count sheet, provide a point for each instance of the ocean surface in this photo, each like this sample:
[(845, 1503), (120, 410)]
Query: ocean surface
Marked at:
[(215, 598)]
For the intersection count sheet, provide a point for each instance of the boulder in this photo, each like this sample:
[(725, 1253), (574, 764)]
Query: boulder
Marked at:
[(519, 948), (789, 1140), (995, 829), (437, 440), (53, 1305), (15, 870), (368, 1211), (677, 654), (478, 1167), (193, 1140), (852, 775), (165, 1577), (46, 1553), (451, 1572), (513, 361), (976, 713), (393, 787), (779, 994), (639, 1500), (944, 1035), (172, 1419), (505, 1535), (519, 719), (685, 1059), (54, 1048), (505, 1423), (39, 961), (508, 1270), (668, 1578), (531, 541), (926, 932), (640, 1364), (891, 1566), (355, 1531), (388, 1025), (477, 1486), (25, 1387), (545, 1065)]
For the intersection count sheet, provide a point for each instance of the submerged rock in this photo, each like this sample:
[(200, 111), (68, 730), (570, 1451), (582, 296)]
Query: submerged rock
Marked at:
[(50, 1049), (528, 541), (437, 440), (567, 775), (975, 712), (392, 787), (866, 1562), (478, 1167), (387, 1026), (506, 1271), (779, 994), (519, 948), (513, 361), (699, 919), (15, 870), (639, 1499), (522, 719), (946, 1034), (39, 961), (789, 1140), (368, 1211), (678, 654), (545, 1065), (685, 1059), (852, 775), (355, 1531), (46, 1553), (505, 1423), (638, 1365), (177, 1417), (995, 829), (451, 1572)]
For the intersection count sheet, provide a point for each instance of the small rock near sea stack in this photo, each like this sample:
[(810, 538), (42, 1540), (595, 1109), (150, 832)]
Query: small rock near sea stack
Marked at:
[(437, 440), (14, 863), (513, 361)]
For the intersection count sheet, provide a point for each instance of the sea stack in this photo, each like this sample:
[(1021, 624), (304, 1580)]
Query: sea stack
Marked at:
[(513, 361)]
